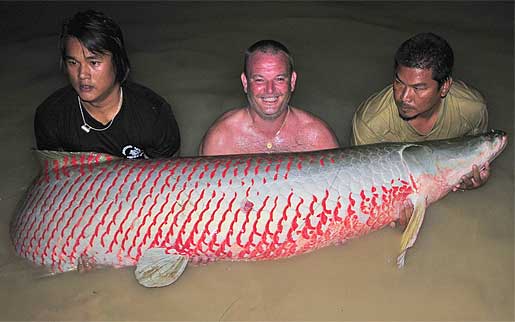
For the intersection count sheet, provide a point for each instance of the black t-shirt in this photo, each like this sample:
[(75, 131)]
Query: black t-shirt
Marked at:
[(144, 126)]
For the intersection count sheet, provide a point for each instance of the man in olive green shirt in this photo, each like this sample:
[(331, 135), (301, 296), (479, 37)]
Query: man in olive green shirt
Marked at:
[(461, 112), (423, 103)]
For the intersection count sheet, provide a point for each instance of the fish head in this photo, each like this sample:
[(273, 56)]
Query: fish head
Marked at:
[(454, 158)]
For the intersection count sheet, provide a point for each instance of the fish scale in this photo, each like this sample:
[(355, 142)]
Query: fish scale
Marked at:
[(241, 207), (244, 224)]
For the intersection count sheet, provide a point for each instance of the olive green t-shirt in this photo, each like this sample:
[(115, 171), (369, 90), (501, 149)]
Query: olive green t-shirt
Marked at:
[(377, 119)]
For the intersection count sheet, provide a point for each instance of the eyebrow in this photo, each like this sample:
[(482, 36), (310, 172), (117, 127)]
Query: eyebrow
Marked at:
[(92, 56), (412, 85), (278, 75)]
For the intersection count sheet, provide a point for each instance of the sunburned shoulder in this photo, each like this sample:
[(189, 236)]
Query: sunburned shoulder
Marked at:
[(221, 134), (312, 131), (230, 120), (306, 121)]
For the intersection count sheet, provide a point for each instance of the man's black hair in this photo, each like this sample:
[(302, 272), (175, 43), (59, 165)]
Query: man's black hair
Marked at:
[(100, 35), (427, 51)]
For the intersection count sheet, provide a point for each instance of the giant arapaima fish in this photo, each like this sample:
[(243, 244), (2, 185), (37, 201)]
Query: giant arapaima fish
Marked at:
[(90, 208)]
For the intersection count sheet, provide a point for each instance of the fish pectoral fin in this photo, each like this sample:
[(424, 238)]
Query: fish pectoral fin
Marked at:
[(410, 234), (157, 268)]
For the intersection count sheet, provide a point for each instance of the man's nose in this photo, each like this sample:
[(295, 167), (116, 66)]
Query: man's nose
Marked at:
[(84, 72), (406, 94), (270, 87)]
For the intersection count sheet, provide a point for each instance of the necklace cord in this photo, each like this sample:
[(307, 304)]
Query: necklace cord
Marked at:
[(284, 122), (89, 127), (269, 143)]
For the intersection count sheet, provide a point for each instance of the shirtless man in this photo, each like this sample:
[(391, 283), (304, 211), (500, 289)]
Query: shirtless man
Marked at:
[(268, 124)]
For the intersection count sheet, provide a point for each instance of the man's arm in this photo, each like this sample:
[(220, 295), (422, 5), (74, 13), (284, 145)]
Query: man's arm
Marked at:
[(361, 133), (214, 142), (479, 176), (220, 137), (166, 134), (322, 136), (45, 132), (482, 125)]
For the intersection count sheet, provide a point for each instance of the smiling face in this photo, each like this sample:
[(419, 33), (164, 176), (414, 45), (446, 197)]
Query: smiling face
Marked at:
[(417, 93), (92, 75), (269, 83)]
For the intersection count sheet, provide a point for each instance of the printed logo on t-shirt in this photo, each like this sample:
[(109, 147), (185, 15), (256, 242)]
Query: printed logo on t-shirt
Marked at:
[(132, 152)]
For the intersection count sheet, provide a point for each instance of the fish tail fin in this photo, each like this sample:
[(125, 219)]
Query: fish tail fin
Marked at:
[(410, 234)]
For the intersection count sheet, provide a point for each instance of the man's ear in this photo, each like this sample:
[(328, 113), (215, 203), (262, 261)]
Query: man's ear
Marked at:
[(446, 87), (244, 82), (293, 80)]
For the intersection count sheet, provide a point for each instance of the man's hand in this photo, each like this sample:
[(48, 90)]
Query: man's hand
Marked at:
[(476, 180)]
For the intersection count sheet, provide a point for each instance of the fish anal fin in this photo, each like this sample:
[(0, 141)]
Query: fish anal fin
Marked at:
[(410, 234), (157, 268)]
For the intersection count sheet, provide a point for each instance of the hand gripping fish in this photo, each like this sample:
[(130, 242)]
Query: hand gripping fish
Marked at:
[(93, 209)]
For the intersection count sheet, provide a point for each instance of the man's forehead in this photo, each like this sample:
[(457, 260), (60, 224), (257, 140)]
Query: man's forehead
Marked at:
[(414, 75), (278, 59), (72, 41)]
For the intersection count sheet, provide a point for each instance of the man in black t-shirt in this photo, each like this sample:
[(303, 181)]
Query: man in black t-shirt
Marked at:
[(100, 110)]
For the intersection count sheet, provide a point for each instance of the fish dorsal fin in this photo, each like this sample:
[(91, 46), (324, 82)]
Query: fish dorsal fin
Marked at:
[(61, 159)]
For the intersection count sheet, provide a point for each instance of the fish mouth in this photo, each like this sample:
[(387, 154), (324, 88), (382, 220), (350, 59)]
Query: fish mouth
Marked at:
[(499, 144), (502, 145)]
